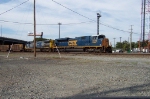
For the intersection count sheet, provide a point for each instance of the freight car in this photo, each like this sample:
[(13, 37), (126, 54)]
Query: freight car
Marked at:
[(4, 48), (17, 47), (96, 43), (13, 47)]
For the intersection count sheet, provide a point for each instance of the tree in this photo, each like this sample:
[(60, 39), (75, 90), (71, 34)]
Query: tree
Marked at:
[(119, 45), (123, 45)]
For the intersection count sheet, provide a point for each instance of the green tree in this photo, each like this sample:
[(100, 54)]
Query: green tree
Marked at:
[(125, 45), (119, 45)]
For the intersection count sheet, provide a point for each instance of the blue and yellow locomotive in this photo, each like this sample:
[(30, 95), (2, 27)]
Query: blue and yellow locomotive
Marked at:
[(96, 43)]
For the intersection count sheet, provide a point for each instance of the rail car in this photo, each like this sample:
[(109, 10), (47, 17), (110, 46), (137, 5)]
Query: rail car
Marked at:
[(14, 47), (4, 48), (17, 47), (96, 43)]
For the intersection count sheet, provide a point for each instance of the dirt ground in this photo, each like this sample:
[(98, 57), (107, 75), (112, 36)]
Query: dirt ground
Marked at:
[(51, 75)]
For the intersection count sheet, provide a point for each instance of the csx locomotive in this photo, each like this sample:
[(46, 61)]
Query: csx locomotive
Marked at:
[(96, 43)]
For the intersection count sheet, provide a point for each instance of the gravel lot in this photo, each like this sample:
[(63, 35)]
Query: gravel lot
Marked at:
[(72, 76)]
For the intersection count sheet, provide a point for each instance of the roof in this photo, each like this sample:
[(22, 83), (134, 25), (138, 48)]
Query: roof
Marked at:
[(5, 40)]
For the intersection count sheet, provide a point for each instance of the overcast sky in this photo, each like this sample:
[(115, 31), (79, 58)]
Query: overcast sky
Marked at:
[(119, 14)]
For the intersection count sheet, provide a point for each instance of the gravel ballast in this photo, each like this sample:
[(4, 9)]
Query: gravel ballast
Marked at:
[(72, 76)]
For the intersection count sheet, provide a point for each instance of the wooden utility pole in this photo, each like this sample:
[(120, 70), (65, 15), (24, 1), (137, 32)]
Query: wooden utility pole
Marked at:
[(34, 31)]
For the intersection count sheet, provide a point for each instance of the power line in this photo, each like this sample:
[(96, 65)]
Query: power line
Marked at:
[(14, 22), (73, 11), (92, 19), (79, 23), (14, 7), (117, 29), (46, 24), (69, 24), (66, 23)]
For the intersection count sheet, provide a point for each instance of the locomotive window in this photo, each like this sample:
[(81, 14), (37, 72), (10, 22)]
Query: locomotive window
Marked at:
[(101, 36), (82, 37), (94, 37)]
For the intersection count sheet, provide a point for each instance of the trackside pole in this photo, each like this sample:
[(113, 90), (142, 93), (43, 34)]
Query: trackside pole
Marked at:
[(9, 50), (58, 51)]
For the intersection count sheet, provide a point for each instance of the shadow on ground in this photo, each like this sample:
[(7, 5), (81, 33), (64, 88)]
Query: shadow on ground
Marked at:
[(133, 92)]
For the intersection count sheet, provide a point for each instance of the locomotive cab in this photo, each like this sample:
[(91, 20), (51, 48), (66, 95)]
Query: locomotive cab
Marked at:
[(101, 36), (97, 39), (102, 42)]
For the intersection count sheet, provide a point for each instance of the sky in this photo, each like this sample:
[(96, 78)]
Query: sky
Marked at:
[(77, 18)]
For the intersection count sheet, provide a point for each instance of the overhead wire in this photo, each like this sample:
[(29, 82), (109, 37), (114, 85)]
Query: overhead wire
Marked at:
[(66, 23), (118, 29), (15, 22), (91, 19), (13, 7), (73, 11), (45, 24)]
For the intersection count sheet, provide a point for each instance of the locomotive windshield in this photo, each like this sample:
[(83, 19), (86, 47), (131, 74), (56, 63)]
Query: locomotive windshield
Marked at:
[(101, 36)]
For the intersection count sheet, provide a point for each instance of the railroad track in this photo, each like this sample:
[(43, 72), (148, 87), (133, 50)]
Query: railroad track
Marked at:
[(134, 54), (91, 53), (122, 54)]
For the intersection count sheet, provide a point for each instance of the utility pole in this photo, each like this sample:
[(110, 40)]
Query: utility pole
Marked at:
[(59, 29), (34, 31), (120, 42), (131, 38), (98, 16), (114, 42)]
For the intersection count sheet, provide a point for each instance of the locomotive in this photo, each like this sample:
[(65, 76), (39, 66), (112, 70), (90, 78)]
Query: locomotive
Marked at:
[(95, 43)]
